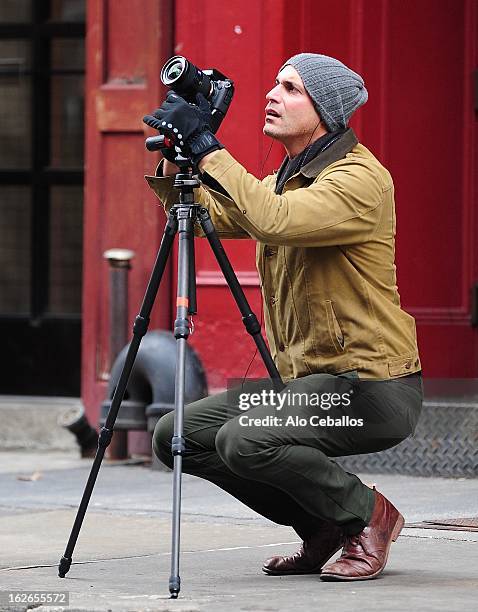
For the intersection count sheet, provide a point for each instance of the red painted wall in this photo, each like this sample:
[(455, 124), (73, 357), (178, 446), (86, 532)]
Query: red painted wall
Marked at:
[(417, 59)]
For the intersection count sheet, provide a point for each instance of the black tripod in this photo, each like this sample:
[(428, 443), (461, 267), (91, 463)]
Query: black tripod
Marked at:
[(181, 220)]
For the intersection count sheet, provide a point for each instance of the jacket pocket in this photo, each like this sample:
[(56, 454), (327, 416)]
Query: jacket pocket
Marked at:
[(335, 331)]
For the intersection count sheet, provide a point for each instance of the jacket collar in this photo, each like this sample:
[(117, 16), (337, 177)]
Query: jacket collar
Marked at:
[(338, 149)]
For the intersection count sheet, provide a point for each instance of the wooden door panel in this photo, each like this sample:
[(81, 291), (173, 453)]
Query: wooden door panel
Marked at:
[(128, 41)]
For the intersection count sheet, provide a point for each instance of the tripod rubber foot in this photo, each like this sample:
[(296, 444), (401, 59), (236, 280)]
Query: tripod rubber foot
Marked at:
[(64, 567), (174, 586)]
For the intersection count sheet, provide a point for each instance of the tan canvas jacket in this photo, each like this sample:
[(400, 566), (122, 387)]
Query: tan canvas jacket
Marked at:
[(325, 256)]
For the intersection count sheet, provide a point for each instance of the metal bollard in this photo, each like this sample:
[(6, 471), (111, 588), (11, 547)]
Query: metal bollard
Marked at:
[(119, 261)]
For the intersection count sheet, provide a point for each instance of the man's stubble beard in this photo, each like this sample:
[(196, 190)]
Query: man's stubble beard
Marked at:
[(268, 130), (288, 139)]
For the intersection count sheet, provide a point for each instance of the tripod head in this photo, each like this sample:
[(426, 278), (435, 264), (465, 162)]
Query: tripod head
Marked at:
[(186, 181)]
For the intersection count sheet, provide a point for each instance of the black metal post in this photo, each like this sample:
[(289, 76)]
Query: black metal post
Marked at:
[(120, 265)]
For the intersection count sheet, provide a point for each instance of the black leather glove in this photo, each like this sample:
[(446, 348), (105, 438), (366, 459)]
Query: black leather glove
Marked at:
[(188, 125), (168, 152)]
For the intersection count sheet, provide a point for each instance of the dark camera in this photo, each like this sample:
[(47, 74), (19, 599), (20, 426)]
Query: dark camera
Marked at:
[(188, 80)]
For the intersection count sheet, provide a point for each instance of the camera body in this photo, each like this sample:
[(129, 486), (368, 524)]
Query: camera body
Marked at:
[(187, 80)]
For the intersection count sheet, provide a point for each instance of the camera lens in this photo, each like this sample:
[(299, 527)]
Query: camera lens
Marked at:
[(185, 78), (173, 69), (174, 72)]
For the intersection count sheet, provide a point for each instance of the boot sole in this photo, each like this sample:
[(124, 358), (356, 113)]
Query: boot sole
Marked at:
[(300, 573), (395, 533)]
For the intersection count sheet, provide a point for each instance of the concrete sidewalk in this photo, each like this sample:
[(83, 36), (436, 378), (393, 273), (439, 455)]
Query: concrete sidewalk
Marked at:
[(122, 559)]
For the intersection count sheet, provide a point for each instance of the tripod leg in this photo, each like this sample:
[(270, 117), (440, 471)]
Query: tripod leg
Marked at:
[(192, 279), (139, 329), (248, 317), (181, 333)]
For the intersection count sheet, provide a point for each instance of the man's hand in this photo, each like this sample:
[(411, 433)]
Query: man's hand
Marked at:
[(188, 125)]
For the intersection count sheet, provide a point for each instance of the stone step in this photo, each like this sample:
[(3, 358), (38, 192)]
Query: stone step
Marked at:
[(31, 423)]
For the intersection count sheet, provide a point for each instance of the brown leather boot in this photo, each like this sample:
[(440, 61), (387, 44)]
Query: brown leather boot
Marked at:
[(311, 556), (365, 555)]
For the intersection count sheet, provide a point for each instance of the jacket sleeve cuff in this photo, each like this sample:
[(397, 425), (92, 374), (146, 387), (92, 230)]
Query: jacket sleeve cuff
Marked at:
[(163, 187)]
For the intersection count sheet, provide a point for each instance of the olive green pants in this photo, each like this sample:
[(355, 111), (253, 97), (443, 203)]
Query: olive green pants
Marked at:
[(277, 459)]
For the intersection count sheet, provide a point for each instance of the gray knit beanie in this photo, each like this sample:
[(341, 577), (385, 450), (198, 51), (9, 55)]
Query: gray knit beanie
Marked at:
[(335, 90)]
